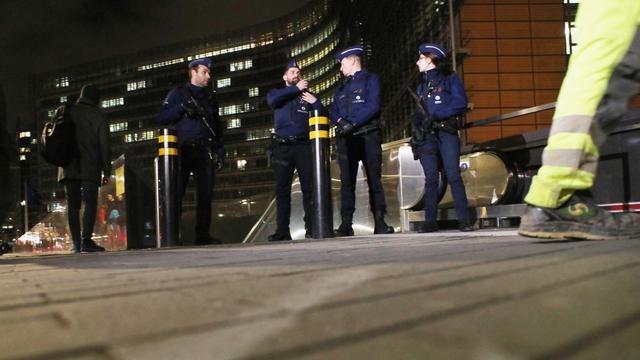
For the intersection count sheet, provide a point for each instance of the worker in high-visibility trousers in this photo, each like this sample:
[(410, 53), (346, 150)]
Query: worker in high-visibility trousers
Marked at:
[(603, 75)]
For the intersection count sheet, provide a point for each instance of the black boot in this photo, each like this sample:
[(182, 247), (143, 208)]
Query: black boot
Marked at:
[(465, 225), (381, 227), (428, 227), (89, 246), (278, 236), (345, 229)]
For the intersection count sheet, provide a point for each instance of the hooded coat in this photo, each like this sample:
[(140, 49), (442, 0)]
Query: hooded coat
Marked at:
[(92, 138)]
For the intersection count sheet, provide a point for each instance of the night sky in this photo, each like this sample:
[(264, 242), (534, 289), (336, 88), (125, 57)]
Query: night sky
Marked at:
[(37, 36)]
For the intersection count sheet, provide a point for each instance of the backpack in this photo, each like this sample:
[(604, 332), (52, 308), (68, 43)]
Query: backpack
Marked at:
[(58, 138)]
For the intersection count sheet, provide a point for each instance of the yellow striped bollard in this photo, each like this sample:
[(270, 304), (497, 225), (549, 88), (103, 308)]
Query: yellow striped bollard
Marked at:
[(167, 202), (322, 219)]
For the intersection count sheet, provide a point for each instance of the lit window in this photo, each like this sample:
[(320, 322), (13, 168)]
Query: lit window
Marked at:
[(62, 82), (327, 83), (23, 157), (229, 50), (50, 113), (319, 55), (25, 134), (318, 38), (135, 85), (234, 109), (121, 126), (112, 102), (224, 82), (140, 136), (234, 123), (63, 99), (258, 134), (254, 92), (241, 65), (242, 164), (160, 64)]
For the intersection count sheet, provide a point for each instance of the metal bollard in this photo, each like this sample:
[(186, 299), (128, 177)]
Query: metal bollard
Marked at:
[(167, 202), (322, 219)]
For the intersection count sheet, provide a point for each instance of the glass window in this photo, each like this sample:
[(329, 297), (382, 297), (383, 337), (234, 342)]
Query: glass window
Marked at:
[(63, 99), (241, 164), (121, 126), (254, 92), (135, 85), (241, 65), (160, 64), (224, 82), (234, 123), (62, 82), (257, 134), (112, 102), (234, 109)]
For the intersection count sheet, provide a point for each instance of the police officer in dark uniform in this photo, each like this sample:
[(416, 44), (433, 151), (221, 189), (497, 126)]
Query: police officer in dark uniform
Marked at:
[(193, 111), (435, 124), (291, 146), (355, 112)]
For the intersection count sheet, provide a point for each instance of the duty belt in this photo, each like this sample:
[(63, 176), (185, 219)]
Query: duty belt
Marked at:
[(287, 140)]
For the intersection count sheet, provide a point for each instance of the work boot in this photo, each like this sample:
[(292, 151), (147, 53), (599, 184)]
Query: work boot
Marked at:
[(89, 246), (381, 227), (279, 236), (465, 225), (345, 229), (428, 227), (578, 218)]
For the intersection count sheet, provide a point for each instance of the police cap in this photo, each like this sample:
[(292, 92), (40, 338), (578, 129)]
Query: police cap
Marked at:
[(434, 49), (202, 61), (351, 50), (290, 64)]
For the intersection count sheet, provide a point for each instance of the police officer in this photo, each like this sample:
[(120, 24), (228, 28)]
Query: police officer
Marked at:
[(193, 110), (355, 112), (435, 123), (290, 146)]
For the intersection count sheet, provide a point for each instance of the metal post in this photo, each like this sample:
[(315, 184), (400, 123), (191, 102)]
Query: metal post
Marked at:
[(322, 219), (167, 189), (25, 209)]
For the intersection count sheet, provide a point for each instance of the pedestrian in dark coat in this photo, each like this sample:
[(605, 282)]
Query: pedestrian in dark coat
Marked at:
[(88, 170)]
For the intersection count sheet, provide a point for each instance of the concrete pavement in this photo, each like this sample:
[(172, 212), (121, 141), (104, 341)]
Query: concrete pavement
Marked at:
[(449, 295)]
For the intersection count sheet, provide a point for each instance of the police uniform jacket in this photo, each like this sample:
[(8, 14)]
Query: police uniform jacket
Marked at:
[(443, 95), (290, 112), (92, 140), (357, 100), (190, 128)]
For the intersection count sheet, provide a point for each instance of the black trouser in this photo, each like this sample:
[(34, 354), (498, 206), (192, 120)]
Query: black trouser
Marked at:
[(286, 158), (350, 150), (444, 146), (79, 192), (198, 159)]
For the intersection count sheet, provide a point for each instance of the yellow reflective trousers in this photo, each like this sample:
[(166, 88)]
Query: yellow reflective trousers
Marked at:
[(592, 99)]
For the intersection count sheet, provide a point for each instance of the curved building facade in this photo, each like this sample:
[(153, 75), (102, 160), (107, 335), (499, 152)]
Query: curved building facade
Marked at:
[(246, 65)]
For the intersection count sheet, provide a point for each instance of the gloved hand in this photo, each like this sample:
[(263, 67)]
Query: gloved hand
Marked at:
[(345, 127), (189, 108)]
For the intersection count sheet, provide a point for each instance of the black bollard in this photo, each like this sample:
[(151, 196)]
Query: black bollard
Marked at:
[(167, 204), (322, 219)]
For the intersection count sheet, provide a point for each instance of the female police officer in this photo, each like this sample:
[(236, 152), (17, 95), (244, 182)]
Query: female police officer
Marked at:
[(442, 101)]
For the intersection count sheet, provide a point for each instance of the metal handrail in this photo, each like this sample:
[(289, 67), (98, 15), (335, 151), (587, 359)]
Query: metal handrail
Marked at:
[(510, 115)]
